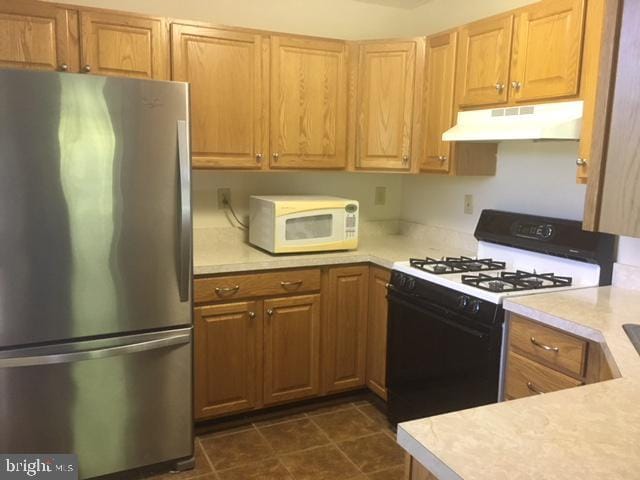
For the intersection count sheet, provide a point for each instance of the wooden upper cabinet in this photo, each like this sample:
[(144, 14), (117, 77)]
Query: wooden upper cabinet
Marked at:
[(291, 348), (229, 98), (547, 50), (308, 103), (385, 105), (227, 358), (440, 65), (124, 45), (38, 36), (345, 332), (483, 62), (377, 331)]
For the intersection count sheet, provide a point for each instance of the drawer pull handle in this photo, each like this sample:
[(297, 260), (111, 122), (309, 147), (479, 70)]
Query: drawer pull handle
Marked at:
[(543, 346), (291, 284), (252, 315), (533, 389), (224, 290)]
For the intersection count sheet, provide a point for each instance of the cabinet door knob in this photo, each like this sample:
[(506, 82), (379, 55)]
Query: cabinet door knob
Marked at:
[(442, 158), (276, 156), (270, 312), (258, 157), (405, 158), (499, 87), (86, 68), (252, 315), (581, 162), (64, 67), (516, 85)]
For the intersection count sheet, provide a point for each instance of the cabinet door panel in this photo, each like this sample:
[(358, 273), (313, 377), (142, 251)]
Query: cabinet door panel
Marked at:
[(377, 331), (123, 45), (228, 340), (547, 50), (345, 333), (439, 91), (291, 348), (229, 114), (37, 36), (483, 61), (385, 107), (308, 103)]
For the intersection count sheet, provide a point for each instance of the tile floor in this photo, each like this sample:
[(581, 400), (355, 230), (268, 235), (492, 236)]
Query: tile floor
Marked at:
[(347, 441)]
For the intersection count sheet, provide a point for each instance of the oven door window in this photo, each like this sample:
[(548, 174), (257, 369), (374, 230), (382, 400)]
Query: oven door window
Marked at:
[(311, 227), (438, 363)]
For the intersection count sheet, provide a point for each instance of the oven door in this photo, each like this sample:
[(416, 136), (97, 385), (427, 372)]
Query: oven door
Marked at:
[(438, 361)]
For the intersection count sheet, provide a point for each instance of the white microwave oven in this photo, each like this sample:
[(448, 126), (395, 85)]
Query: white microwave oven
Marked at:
[(306, 223)]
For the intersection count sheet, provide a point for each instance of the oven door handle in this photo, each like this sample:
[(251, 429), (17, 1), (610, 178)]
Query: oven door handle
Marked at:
[(395, 297)]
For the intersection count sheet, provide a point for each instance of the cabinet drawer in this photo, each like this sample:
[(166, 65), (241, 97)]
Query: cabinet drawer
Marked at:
[(551, 346), (255, 285), (526, 377)]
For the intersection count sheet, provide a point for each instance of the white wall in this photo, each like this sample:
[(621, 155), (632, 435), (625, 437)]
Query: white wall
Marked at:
[(532, 177), (357, 186), (348, 19)]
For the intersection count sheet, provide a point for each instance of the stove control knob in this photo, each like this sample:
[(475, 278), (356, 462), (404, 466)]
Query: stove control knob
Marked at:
[(411, 284), (402, 280), (463, 301), (475, 306)]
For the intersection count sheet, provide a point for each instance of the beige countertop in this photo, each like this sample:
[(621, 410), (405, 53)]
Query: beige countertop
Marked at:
[(588, 432), (216, 252)]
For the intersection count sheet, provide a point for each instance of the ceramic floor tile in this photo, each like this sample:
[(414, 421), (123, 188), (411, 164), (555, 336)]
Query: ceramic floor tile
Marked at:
[(276, 420), (265, 470), (323, 463), (375, 414), (226, 431), (202, 467), (292, 436), (346, 424), (236, 449), (373, 453), (395, 473), (329, 409)]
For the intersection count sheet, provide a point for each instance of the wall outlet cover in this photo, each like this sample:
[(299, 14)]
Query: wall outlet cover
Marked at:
[(380, 197), (468, 204), (223, 193)]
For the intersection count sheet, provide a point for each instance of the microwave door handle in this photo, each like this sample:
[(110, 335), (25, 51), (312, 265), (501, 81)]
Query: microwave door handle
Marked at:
[(394, 297), (184, 212)]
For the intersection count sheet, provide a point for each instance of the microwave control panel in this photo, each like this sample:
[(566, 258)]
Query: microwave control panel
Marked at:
[(351, 221)]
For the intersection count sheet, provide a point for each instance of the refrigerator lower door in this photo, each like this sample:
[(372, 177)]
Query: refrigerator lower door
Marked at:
[(118, 403)]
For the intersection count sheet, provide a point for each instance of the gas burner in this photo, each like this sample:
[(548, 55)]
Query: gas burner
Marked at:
[(516, 281), (456, 265)]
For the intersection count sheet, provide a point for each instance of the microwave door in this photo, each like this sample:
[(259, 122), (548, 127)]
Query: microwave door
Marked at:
[(311, 228)]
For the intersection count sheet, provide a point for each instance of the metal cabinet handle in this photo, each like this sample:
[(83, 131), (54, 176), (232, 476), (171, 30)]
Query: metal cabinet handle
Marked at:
[(581, 162), (276, 156), (86, 68), (499, 87), (543, 346), (64, 67), (516, 85), (258, 157), (532, 388), (405, 158), (252, 315), (223, 290), (442, 158), (184, 166), (270, 312), (290, 284)]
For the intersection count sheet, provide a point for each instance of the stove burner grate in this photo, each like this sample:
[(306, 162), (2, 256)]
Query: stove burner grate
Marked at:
[(516, 281), (456, 264)]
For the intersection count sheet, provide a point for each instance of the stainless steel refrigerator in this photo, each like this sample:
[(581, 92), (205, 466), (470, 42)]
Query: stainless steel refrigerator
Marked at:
[(95, 269)]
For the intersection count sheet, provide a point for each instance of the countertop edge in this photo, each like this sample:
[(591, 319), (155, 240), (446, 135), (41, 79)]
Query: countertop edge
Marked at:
[(422, 454)]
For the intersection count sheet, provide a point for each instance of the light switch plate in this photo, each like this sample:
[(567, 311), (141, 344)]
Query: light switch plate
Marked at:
[(468, 204)]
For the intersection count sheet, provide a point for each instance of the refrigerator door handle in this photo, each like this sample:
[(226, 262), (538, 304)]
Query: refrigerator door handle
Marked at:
[(184, 264), (48, 359)]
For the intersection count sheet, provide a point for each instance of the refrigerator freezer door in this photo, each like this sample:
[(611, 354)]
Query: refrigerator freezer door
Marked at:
[(95, 206), (118, 403)]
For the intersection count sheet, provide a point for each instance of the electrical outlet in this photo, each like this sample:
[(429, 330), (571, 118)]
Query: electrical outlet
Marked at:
[(223, 194), (468, 204), (380, 197)]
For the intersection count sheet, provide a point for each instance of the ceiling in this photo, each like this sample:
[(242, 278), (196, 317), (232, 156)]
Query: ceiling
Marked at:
[(405, 4)]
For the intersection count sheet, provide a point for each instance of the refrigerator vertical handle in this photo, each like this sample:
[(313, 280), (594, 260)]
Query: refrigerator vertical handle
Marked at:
[(184, 264)]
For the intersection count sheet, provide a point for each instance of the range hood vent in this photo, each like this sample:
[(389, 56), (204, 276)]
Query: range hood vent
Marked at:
[(547, 121)]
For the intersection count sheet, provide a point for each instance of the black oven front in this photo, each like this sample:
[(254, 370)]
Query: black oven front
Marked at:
[(442, 356)]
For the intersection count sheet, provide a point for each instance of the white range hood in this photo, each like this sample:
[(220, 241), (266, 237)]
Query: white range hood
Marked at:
[(547, 121)]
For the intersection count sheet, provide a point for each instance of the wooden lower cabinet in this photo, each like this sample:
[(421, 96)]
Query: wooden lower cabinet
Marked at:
[(415, 471), (377, 331), (345, 329), (291, 348), (228, 358)]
